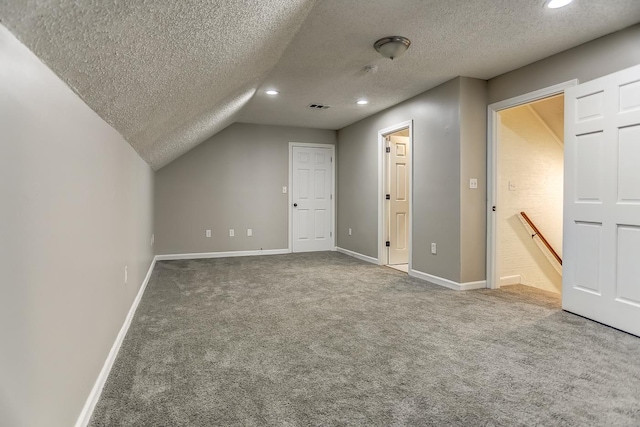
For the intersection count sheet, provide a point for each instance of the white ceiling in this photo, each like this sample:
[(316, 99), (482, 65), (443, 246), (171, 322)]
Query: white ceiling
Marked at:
[(168, 74)]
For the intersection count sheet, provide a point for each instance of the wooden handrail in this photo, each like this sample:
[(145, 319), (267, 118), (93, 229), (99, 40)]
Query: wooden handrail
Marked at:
[(539, 234)]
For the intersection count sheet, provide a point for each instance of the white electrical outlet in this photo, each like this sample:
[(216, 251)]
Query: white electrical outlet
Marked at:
[(349, 232), (207, 233), (284, 190), (231, 232), (512, 186), (126, 275), (433, 248), (473, 183), (249, 232)]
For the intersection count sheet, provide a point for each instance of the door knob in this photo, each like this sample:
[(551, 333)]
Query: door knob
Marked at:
[(295, 205)]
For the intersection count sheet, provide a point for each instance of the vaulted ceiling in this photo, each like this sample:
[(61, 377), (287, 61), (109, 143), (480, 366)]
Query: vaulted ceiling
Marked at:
[(169, 74)]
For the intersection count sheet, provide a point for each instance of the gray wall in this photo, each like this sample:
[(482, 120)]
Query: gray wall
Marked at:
[(436, 116), (76, 208), (586, 62), (473, 164), (233, 180), (450, 148)]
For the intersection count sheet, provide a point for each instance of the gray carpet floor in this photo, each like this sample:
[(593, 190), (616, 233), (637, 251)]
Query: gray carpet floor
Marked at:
[(323, 339)]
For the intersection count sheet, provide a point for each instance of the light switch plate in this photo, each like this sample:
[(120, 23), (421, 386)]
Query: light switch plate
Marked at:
[(231, 232), (284, 190), (433, 248), (208, 233), (349, 232), (249, 232)]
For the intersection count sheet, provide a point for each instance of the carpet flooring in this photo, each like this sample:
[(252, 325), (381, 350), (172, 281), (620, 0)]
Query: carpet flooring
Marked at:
[(323, 339)]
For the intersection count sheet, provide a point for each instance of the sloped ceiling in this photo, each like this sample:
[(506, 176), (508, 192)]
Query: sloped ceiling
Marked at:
[(168, 74), (551, 112), (537, 121)]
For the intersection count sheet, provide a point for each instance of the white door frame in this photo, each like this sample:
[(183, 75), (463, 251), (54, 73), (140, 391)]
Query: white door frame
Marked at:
[(333, 190), (383, 255), (493, 268)]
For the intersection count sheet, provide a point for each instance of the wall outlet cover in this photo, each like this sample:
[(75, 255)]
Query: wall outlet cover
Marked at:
[(208, 233), (433, 248), (231, 232)]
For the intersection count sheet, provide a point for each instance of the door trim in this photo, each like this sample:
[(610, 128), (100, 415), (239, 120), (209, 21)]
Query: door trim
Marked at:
[(333, 189), (493, 279), (383, 256)]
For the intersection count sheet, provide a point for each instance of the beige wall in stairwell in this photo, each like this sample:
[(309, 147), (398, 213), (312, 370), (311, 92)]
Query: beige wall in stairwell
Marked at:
[(532, 161), (76, 208), (233, 181)]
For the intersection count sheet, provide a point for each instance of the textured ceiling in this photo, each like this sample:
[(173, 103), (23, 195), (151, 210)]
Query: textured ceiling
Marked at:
[(474, 38), (168, 74)]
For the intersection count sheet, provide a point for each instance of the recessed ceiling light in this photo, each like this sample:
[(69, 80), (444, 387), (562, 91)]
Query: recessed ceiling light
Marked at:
[(272, 92), (362, 102), (555, 4)]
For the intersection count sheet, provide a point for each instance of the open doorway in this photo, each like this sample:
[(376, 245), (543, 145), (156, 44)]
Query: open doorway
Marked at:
[(529, 194), (396, 197), (499, 188)]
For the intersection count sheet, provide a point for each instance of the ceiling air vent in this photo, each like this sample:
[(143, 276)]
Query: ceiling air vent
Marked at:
[(319, 106)]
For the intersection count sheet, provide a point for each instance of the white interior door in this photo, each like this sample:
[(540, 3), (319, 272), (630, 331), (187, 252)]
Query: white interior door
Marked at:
[(312, 184), (399, 199), (602, 200)]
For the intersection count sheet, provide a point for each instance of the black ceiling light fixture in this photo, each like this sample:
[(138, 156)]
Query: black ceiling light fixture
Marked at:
[(392, 47)]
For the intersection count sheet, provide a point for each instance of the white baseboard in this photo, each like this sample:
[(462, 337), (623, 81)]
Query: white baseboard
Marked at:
[(96, 391), (366, 258), (203, 255), (511, 280), (467, 286)]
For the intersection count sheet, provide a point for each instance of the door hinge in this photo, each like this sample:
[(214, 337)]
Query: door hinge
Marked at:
[(331, 197), (331, 234), (387, 243), (388, 149), (331, 159), (388, 197)]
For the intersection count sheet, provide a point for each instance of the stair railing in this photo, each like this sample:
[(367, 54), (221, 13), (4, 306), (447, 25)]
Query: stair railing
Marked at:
[(544, 241)]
